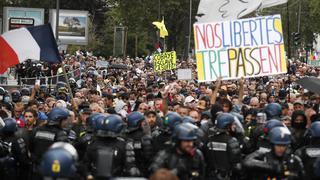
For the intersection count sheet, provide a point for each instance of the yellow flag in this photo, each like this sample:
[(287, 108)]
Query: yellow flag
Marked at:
[(162, 27)]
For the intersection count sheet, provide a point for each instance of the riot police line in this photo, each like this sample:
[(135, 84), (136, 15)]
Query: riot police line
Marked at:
[(110, 147)]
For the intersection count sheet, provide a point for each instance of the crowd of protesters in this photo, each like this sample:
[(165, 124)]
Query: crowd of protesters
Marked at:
[(125, 120)]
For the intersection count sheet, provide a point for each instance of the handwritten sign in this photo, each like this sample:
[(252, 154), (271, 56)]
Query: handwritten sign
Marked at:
[(232, 49), (165, 61), (184, 74)]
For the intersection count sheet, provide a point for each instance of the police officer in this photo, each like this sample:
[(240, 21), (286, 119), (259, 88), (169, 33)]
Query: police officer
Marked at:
[(311, 152), (276, 164), (163, 139), (262, 142), (109, 155), (15, 96), (223, 153), (139, 136), (25, 92), (273, 111), (183, 159), (15, 164), (60, 162), (44, 137), (85, 136)]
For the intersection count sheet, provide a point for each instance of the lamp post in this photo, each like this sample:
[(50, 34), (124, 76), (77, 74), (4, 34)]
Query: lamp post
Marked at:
[(190, 26)]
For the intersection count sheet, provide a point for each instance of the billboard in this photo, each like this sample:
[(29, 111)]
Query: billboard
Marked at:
[(73, 26), (240, 48), (16, 17)]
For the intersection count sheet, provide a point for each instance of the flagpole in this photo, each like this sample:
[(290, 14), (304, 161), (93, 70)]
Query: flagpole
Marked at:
[(164, 45), (57, 39)]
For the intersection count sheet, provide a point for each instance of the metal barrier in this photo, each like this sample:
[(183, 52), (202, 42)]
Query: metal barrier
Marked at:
[(50, 80)]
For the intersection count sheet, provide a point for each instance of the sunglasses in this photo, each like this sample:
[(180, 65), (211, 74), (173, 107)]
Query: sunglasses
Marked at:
[(28, 116)]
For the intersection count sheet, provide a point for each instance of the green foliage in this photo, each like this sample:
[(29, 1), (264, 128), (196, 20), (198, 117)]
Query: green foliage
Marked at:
[(138, 15)]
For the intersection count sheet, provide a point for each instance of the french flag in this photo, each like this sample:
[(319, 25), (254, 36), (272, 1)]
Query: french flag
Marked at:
[(35, 43)]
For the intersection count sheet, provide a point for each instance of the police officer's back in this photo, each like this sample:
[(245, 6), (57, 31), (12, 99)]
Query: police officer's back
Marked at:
[(223, 154), (163, 140), (86, 137), (15, 163), (44, 137), (139, 136), (311, 152), (109, 155), (183, 159), (277, 163)]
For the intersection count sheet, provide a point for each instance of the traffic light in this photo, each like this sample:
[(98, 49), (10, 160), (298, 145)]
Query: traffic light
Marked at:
[(296, 38)]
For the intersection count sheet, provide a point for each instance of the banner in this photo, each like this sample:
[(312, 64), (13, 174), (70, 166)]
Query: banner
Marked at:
[(240, 48), (164, 61), (223, 10)]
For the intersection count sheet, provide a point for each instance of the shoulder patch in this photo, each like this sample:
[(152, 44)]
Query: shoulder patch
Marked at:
[(313, 152), (45, 135), (217, 146)]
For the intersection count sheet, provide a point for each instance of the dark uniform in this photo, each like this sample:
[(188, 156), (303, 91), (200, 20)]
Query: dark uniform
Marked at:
[(140, 140), (186, 165), (14, 164), (268, 165), (311, 152), (222, 151), (261, 140), (162, 140), (43, 137), (85, 134), (109, 155)]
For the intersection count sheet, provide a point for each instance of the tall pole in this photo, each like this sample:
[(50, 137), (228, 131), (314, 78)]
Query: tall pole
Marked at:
[(136, 44), (57, 20), (159, 14), (288, 32), (57, 39), (159, 9), (299, 16), (190, 27)]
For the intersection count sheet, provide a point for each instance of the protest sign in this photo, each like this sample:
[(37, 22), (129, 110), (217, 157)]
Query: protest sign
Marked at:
[(240, 48), (314, 63), (164, 61), (102, 64), (184, 74), (314, 60)]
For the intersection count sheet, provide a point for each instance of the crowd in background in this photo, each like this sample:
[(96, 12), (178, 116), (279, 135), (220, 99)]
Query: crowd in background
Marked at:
[(154, 123)]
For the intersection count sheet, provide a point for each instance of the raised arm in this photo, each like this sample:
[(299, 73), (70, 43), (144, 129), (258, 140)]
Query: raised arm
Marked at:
[(241, 89), (214, 94)]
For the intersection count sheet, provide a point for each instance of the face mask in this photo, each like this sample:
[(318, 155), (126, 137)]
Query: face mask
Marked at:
[(131, 102), (1, 98)]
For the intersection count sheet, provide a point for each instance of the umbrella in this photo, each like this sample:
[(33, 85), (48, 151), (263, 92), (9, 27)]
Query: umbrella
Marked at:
[(310, 83), (118, 66)]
